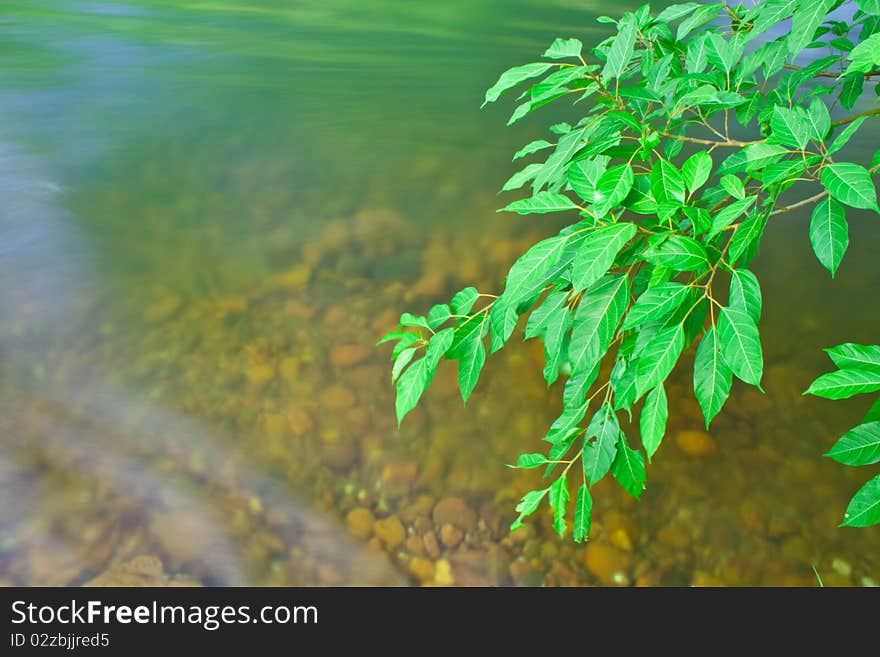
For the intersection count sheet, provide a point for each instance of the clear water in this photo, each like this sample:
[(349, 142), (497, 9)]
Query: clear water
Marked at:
[(203, 201)]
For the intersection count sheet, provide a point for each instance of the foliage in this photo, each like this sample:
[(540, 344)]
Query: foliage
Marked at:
[(668, 204), (858, 372)]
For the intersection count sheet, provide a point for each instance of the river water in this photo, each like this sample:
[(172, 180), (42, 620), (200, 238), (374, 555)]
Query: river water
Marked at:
[(211, 210)]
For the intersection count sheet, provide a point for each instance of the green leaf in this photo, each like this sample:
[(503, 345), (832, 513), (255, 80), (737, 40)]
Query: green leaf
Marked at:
[(845, 135), (858, 446), (575, 390), (873, 414), (522, 176), (851, 90), (674, 12), (410, 386), (829, 233), (555, 166), (712, 376), (656, 303), (614, 186), (628, 468), (528, 505), (752, 158), (528, 461), (530, 268), (770, 13), (532, 147), (667, 183), (696, 56), (748, 232), (621, 50), (679, 253), (584, 175), (652, 421), (699, 17), (438, 315), (437, 347), (805, 22), (599, 454), (723, 53), (865, 56), (741, 345), (464, 300), (472, 357), (563, 425), (659, 357), (818, 119), (728, 214), (696, 169), (745, 293), (733, 186), (541, 203), (845, 383), (402, 360), (597, 252), (562, 48), (512, 77), (558, 500), (864, 507), (855, 355), (595, 321), (790, 127), (582, 512), (850, 184), (407, 319)]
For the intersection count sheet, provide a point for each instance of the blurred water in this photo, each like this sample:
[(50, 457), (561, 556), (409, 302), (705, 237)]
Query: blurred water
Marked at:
[(204, 201)]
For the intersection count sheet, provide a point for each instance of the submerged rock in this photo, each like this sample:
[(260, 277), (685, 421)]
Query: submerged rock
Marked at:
[(145, 570), (695, 443), (454, 511)]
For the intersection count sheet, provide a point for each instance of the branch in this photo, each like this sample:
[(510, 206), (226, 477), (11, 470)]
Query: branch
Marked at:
[(812, 199), (850, 119), (831, 74), (734, 143)]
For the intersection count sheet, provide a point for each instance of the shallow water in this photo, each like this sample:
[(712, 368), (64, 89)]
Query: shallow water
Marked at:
[(210, 212)]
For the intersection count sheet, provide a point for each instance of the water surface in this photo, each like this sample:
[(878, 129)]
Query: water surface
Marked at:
[(210, 212)]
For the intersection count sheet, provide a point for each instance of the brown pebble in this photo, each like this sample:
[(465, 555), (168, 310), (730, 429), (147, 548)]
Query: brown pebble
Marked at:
[(414, 545), (400, 473), (390, 531), (421, 569), (451, 536), (606, 563), (695, 443), (346, 355), (432, 547), (300, 422), (454, 511), (360, 522), (621, 540), (337, 398)]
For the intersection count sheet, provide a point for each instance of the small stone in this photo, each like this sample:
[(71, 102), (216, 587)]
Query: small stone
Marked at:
[(443, 573), (621, 540), (300, 422), (275, 424), (289, 369), (337, 398), (422, 569), (432, 547), (695, 443), (841, 567), (400, 473), (415, 545), (606, 563), (451, 536), (390, 531), (346, 355), (260, 373), (144, 570), (360, 522), (454, 511), (340, 454)]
